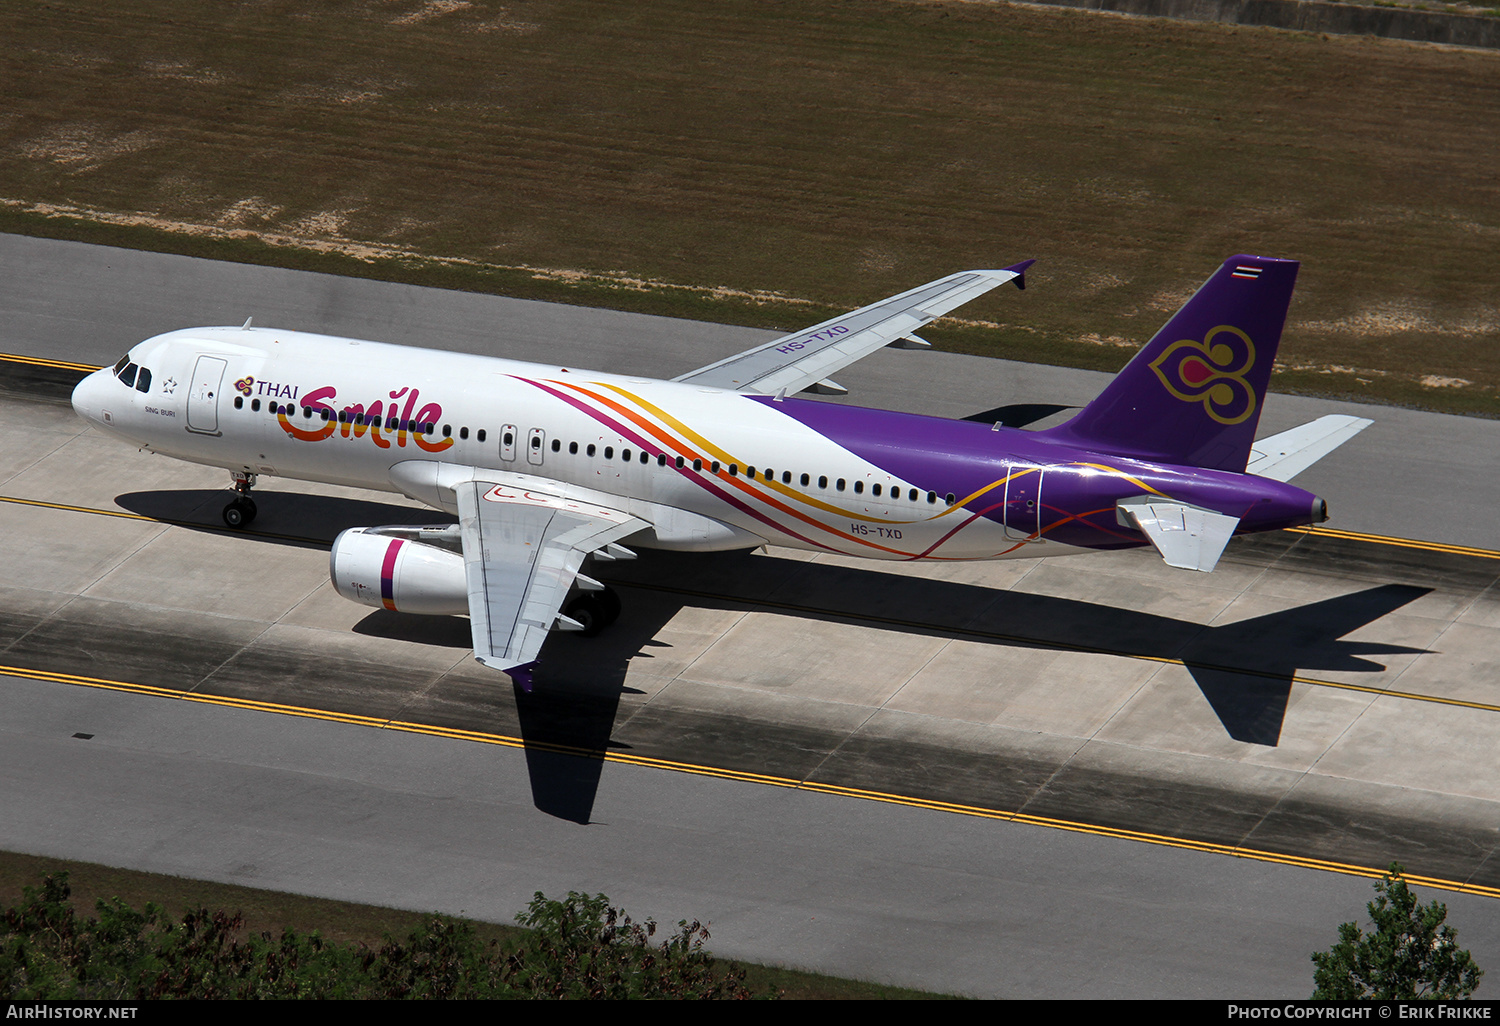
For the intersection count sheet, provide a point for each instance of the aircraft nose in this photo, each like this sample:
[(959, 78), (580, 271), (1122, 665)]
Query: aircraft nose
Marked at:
[(88, 396)]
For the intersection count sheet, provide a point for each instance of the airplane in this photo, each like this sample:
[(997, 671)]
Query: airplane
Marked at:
[(547, 467)]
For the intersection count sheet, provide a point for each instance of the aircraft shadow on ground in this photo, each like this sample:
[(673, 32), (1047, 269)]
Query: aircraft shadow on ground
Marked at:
[(1244, 670), (300, 518)]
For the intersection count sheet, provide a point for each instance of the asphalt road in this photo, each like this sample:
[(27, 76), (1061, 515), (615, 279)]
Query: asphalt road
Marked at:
[(864, 889), (857, 887)]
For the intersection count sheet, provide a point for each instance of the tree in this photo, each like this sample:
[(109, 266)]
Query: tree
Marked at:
[(580, 947), (1411, 953)]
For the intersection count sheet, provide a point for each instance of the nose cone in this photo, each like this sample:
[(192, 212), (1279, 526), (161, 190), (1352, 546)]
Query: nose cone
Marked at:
[(89, 396)]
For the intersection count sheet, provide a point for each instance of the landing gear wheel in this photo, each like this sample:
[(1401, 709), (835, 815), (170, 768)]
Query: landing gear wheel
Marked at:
[(241, 509), (589, 611), (239, 513), (609, 602)]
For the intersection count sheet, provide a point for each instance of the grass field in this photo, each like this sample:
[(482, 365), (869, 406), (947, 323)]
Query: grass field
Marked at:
[(719, 160)]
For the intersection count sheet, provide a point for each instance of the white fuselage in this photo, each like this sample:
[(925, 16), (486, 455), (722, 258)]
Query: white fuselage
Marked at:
[(708, 468)]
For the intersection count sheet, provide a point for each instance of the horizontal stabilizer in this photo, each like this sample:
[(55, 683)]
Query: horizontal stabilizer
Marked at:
[(1187, 537), (1284, 456)]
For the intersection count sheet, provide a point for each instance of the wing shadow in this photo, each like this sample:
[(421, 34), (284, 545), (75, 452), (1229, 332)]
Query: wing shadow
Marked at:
[(567, 719)]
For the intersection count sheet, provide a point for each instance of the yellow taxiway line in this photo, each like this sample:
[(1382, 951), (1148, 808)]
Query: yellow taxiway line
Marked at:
[(1144, 837), (37, 361)]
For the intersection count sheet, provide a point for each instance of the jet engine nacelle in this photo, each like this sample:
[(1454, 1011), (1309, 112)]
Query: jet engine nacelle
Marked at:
[(389, 568)]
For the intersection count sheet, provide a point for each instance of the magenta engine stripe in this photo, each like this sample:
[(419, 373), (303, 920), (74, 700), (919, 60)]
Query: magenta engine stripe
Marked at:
[(388, 574)]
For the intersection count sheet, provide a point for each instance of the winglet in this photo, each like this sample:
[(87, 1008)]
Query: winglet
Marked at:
[(1020, 270), (521, 675)]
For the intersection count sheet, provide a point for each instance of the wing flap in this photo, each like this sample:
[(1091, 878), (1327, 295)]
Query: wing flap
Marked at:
[(522, 551), (793, 362)]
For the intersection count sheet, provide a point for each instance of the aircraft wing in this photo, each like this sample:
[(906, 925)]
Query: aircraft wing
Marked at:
[(806, 358), (522, 551), (1284, 456)]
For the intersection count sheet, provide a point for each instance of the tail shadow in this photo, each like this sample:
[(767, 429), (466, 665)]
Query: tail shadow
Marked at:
[(1252, 705)]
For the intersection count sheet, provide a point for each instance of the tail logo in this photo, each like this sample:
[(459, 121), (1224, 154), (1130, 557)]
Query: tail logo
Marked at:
[(1211, 372)]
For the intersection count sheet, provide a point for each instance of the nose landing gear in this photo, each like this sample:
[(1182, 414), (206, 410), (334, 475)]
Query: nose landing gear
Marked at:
[(241, 509)]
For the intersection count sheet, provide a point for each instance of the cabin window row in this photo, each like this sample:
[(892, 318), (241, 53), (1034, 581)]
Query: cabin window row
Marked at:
[(893, 492), (765, 474), (359, 419)]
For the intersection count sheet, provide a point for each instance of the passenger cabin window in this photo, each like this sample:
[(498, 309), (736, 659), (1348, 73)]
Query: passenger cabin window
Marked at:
[(556, 445), (590, 450), (480, 435), (239, 402), (463, 432)]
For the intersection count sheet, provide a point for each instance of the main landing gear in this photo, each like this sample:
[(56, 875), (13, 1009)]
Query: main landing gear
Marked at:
[(596, 610), (241, 509)]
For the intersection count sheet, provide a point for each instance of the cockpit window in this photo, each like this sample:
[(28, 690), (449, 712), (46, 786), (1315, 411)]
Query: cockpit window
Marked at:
[(128, 375), (143, 381), (121, 365)]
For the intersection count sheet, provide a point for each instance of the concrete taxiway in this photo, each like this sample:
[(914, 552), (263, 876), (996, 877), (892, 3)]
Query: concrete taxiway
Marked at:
[(1317, 698)]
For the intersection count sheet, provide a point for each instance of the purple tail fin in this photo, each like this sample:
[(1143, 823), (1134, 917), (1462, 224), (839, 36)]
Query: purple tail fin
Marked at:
[(1193, 395)]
